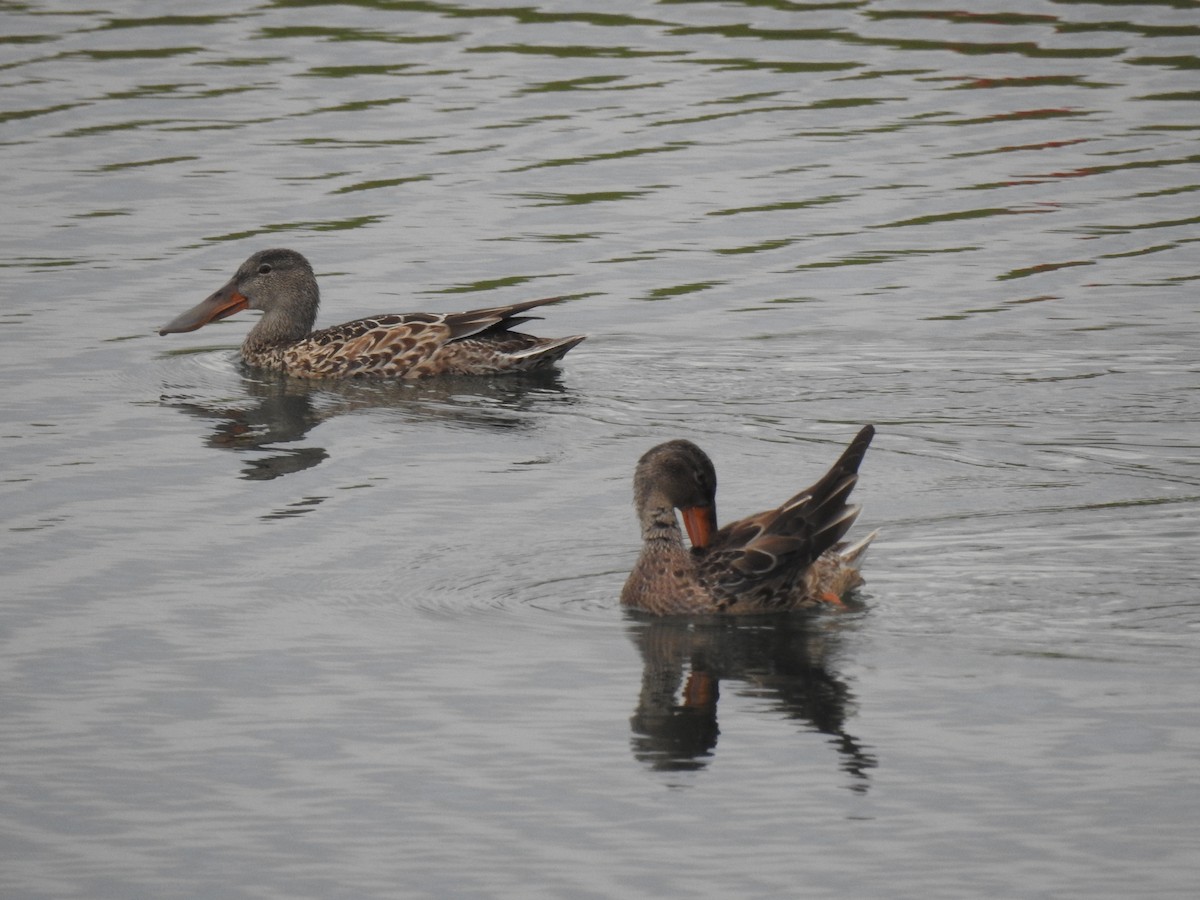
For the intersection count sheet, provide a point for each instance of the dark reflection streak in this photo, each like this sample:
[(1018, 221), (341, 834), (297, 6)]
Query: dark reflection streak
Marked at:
[(966, 48), (10, 39), (768, 110), (786, 659), (168, 21), (145, 53), (600, 157), (1028, 81), (964, 18), (15, 114), (1166, 62), (523, 14), (1147, 31), (280, 410), (1105, 170), (286, 227), (284, 462), (351, 34), (572, 51), (1141, 226), (274, 414)]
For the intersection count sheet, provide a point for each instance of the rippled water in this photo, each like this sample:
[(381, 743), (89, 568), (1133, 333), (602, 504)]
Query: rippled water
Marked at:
[(262, 639)]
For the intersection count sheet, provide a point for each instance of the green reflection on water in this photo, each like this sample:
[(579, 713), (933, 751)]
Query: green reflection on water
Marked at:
[(284, 227)]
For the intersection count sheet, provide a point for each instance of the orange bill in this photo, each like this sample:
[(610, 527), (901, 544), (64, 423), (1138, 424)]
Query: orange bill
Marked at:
[(701, 524), (224, 302), (831, 598), (700, 691)]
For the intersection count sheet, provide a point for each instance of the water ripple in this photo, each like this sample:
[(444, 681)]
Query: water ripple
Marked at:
[(267, 639)]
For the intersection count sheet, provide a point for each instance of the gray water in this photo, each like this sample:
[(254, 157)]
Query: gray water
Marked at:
[(269, 640)]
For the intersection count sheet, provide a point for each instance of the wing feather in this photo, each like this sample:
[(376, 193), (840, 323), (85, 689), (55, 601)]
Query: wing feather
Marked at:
[(767, 552)]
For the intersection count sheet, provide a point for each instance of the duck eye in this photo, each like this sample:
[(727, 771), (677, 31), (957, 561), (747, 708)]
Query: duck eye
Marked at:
[(264, 269)]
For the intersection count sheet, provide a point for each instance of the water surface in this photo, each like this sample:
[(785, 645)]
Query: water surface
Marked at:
[(266, 639)]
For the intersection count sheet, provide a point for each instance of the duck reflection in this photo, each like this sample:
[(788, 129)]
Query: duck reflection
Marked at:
[(277, 410), (785, 658)]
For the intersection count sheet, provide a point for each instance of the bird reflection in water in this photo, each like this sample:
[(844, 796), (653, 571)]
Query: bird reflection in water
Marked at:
[(277, 410), (785, 658)]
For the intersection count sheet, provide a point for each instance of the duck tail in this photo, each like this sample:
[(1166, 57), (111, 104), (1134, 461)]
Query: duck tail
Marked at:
[(547, 351), (853, 554)]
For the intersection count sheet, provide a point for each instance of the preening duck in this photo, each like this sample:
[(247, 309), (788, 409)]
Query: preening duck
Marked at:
[(790, 557)]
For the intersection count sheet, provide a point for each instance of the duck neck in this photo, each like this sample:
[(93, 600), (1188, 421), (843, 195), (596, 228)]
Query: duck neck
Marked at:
[(660, 527), (286, 322)]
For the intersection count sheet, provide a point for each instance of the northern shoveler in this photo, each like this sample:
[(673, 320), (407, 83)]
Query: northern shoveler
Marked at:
[(406, 345), (787, 558)]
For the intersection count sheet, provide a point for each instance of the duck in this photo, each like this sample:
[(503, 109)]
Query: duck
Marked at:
[(783, 559), (281, 284)]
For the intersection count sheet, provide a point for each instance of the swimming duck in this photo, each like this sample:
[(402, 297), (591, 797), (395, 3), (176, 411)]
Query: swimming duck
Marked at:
[(787, 558), (281, 283)]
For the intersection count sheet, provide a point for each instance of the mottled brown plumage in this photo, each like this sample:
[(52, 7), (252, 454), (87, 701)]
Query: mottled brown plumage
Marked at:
[(790, 557), (281, 283)]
